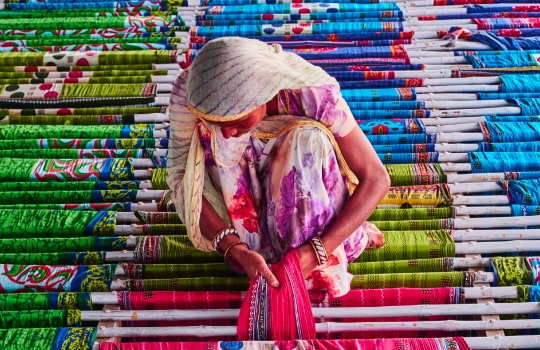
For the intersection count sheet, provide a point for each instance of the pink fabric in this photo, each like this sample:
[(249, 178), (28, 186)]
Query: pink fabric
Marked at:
[(282, 313), (456, 343)]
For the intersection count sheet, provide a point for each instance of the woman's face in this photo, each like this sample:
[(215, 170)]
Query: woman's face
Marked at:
[(244, 125)]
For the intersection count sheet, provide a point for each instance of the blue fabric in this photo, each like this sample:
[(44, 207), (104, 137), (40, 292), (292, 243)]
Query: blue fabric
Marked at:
[(499, 96), (506, 43), (391, 126), (513, 118), (403, 139), (102, 217), (516, 60), (496, 162), (376, 95), (484, 15), (236, 22), (409, 158), (305, 16), (74, 338), (111, 196), (404, 148), (524, 210), (374, 84), (524, 175), (494, 53), (117, 185), (368, 114), (515, 83), (315, 28), (529, 106), (55, 298), (534, 294), (379, 68), (509, 147), (286, 8), (392, 105), (523, 192), (344, 52), (324, 37)]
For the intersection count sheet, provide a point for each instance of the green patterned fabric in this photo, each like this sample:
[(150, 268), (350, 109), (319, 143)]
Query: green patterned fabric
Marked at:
[(512, 271), (170, 250), (410, 225), (70, 153), (109, 58), (402, 266), (166, 229), (97, 80), (159, 181), (165, 271), (67, 186), (45, 301), (68, 120), (96, 74), (86, 111), (39, 318), (120, 207), (76, 258), (68, 197), (415, 174), (407, 245), (27, 338), (158, 217), (59, 245), (55, 223), (27, 132), (411, 214), (72, 144), (413, 280), (189, 284)]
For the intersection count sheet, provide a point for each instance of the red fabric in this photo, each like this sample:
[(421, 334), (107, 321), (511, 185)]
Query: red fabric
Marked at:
[(387, 297), (288, 310), (456, 343), (179, 301)]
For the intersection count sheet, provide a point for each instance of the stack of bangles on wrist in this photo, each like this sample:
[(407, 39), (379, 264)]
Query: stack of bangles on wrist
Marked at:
[(320, 250), (219, 237)]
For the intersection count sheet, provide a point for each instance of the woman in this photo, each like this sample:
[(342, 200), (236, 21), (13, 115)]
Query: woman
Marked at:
[(263, 156)]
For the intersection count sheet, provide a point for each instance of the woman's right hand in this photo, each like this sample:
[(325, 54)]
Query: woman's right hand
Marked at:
[(252, 263)]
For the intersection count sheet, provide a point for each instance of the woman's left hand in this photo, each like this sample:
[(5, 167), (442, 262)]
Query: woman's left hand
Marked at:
[(308, 259)]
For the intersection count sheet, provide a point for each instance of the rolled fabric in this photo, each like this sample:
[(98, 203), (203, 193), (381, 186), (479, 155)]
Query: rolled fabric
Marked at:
[(75, 258), (414, 280), (419, 196), (415, 174), (534, 264), (43, 278), (46, 301), (118, 206), (455, 343), (411, 214), (495, 162), (158, 217), (28, 132), (69, 186), (33, 223), (46, 153), (164, 271), (523, 192), (47, 338), (407, 245), (511, 271), (410, 225), (402, 266), (39, 318), (170, 249)]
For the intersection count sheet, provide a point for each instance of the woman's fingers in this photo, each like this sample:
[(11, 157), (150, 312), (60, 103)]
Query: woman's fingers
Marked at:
[(268, 276)]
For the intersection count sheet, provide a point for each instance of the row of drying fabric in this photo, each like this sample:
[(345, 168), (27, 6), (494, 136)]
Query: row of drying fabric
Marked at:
[(149, 239)]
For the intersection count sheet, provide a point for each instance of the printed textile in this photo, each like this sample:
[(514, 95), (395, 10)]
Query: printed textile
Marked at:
[(511, 271), (42, 278), (46, 301), (455, 343)]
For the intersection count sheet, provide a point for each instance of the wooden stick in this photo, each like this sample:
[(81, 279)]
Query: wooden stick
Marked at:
[(497, 247), (495, 235)]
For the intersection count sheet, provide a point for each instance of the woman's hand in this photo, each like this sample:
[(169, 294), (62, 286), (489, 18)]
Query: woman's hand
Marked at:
[(253, 264), (308, 259)]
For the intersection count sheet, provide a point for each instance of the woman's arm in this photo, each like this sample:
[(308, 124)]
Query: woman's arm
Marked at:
[(252, 262), (372, 187)]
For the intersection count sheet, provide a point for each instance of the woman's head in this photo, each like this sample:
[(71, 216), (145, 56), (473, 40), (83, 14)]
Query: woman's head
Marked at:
[(231, 79), (237, 128)]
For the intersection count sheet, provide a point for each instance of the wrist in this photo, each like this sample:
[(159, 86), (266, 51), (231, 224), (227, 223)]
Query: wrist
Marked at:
[(238, 251)]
